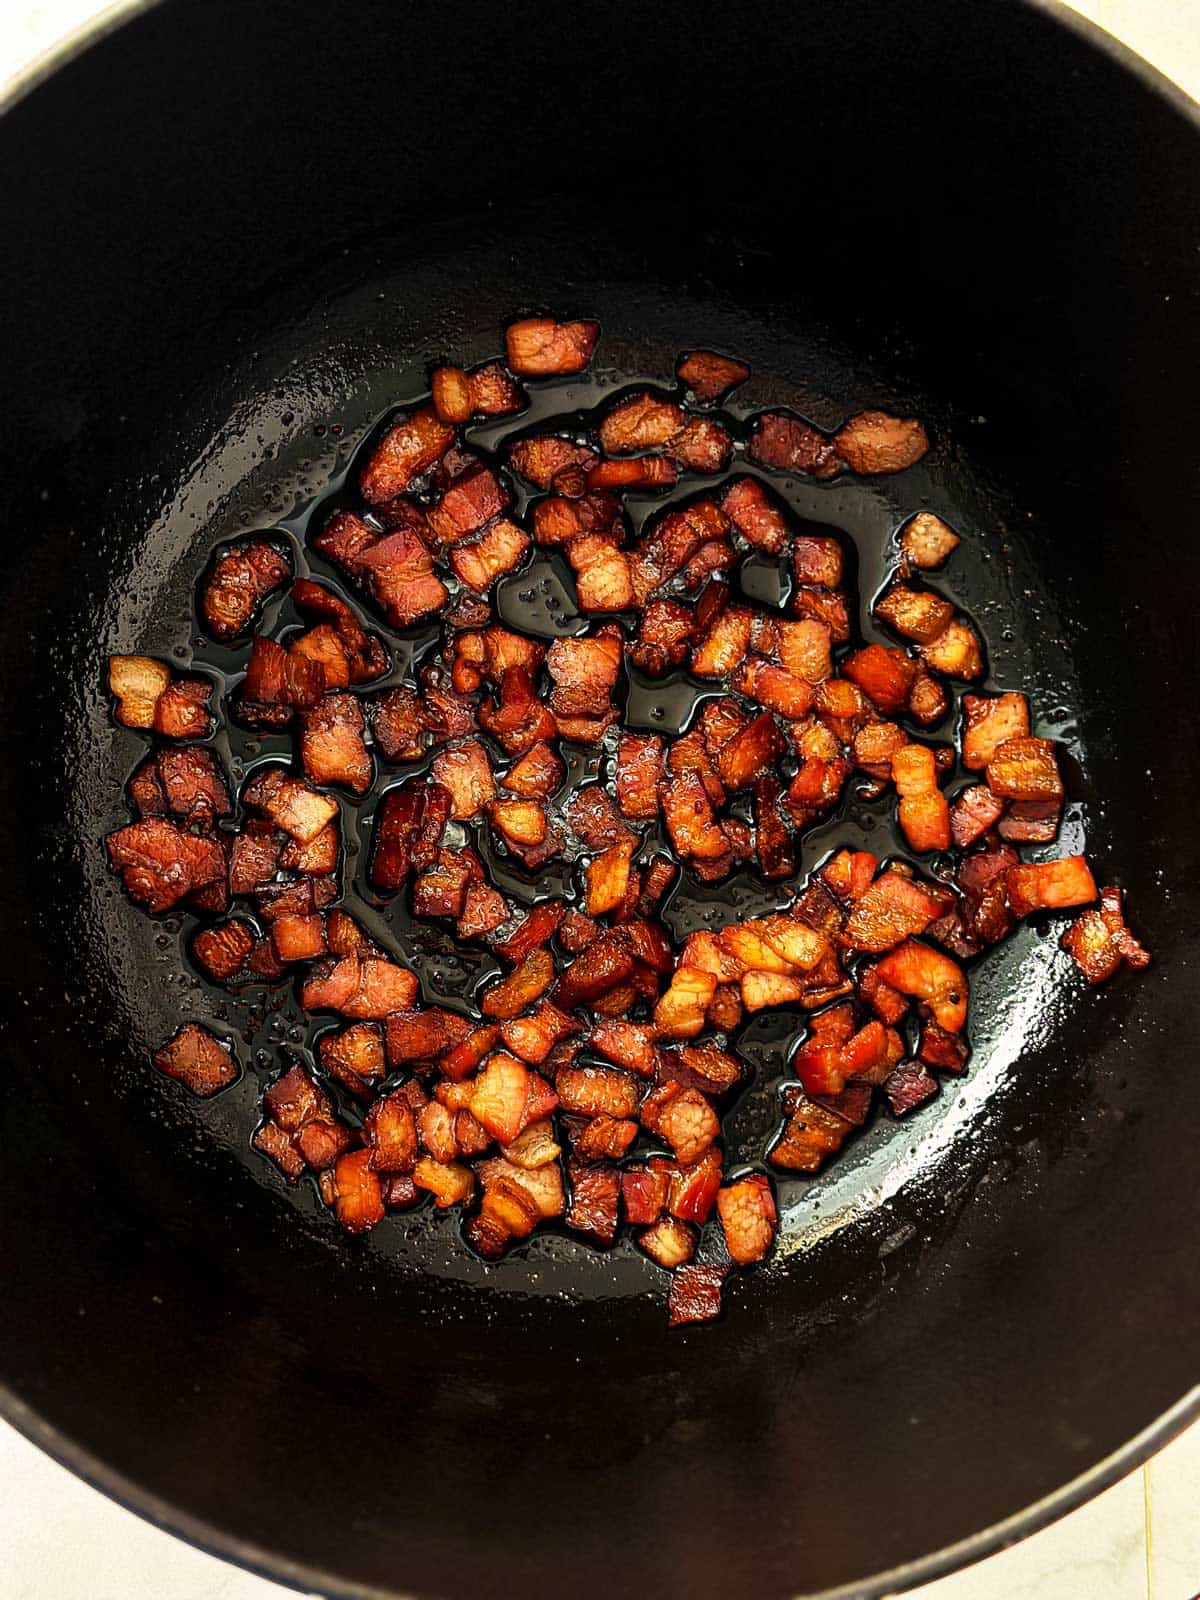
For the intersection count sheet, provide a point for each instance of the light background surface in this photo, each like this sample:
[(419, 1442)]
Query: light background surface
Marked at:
[(61, 1540)]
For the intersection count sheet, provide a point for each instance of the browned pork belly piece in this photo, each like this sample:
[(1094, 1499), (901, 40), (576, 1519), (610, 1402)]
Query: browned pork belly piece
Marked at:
[(710, 376), (197, 1059), (1099, 941), (238, 581), (539, 347)]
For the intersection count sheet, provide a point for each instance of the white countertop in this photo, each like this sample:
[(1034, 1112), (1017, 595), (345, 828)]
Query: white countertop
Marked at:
[(1140, 1540)]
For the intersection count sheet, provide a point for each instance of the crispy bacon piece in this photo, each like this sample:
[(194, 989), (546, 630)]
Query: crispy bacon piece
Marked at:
[(908, 1087), (408, 449), (602, 1138), (298, 937), (725, 645), (945, 1051), (811, 1135), (423, 1034), (475, 496), (450, 390), (497, 550), (916, 614), (669, 1242), (874, 442), (642, 421), (391, 1133), (222, 950), (607, 878), (160, 864), (240, 579), (926, 541), (974, 812), (928, 701), (629, 1044), (774, 687), (680, 1010), (520, 823), (364, 654), (354, 1056), (538, 774), (931, 978), (584, 671), (408, 830), (893, 909), (988, 723), (290, 804), (534, 1147), (539, 347), (197, 1059), (150, 697), (791, 445), (683, 1117), (464, 772), (398, 571), (597, 1091), (577, 932), (695, 1294), (923, 811), (701, 445), (1025, 769), (494, 393), (192, 785), (398, 724), (542, 457), (665, 631), (956, 651), (521, 988), (460, 1061), (639, 775), (710, 376), (449, 1182), (750, 753), (1099, 941), (748, 1218), (644, 1190), (533, 1037), (602, 576), (1049, 885), (359, 985), (484, 910), (1030, 821), (883, 673), (499, 1096), (519, 721), (595, 1200), (304, 1113), (536, 929), (691, 823), (641, 472), (332, 747), (756, 515)]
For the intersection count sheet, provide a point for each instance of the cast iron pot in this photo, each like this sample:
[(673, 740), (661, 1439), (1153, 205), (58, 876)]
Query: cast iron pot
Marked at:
[(235, 235)]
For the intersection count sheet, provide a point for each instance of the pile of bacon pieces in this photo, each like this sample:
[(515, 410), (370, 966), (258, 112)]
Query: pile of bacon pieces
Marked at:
[(589, 1083)]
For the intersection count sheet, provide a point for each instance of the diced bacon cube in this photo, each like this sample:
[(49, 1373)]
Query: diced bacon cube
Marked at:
[(332, 748), (916, 614), (695, 1294), (926, 541), (975, 810), (1024, 768), (710, 376), (908, 1087), (197, 1059), (449, 1182), (669, 1242), (160, 864), (791, 445), (497, 550), (450, 388), (640, 472), (521, 988), (359, 985), (629, 1044), (354, 1056), (1030, 821), (1099, 941), (542, 457), (494, 393), (239, 580), (1050, 885), (874, 442), (539, 347), (701, 445), (643, 421), (685, 1120), (137, 683), (929, 977), (813, 1133), (928, 701), (805, 649), (883, 673), (607, 878), (750, 753), (724, 647), (956, 651), (891, 910), (464, 772), (748, 1218), (290, 804), (536, 929), (680, 1011), (597, 1091), (391, 1134), (602, 576), (474, 497), (408, 449), (538, 774)]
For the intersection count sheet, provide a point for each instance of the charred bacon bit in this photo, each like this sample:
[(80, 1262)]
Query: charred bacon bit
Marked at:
[(354, 1056), (926, 541), (945, 1051), (930, 978), (709, 376), (1049, 885), (1025, 769), (197, 1059), (1099, 941), (748, 1218), (695, 1294), (790, 445), (539, 347), (240, 579), (643, 421), (974, 812), (408, 830), (408, 449), (160, 864), (521, 988), (874, 442), (772, 839), (923, 811)]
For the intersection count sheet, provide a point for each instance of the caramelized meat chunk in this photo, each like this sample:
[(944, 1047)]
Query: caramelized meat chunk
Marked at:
[(540, 347), (408, 449), (874, 442), (792, 445), (926, 541), (1050, 885), (1099, 941), (710, 376), (748, 1218), (197, 1059), (240, 579)]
